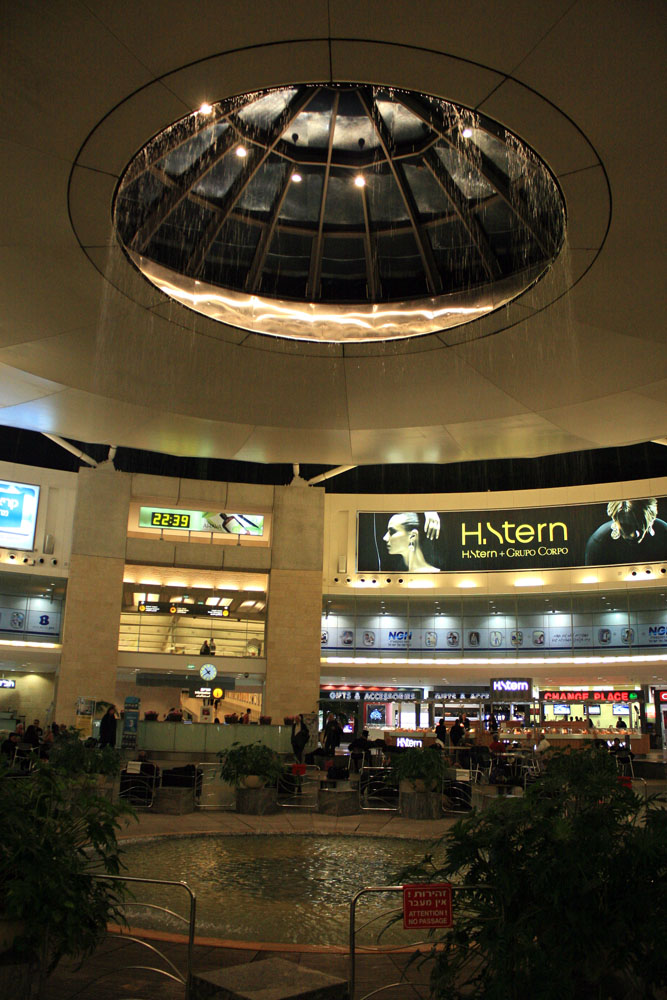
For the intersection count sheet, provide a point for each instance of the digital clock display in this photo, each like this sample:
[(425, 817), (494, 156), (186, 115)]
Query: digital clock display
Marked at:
[(169, 519)]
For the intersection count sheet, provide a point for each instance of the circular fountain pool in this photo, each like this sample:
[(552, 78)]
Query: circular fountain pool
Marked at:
[(282, 889)]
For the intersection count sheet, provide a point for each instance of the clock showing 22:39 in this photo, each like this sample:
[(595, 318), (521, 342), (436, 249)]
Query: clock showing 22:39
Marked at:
[(208, 672)]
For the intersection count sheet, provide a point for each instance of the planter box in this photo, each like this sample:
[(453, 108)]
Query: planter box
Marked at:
[(420, 805), (256, 801)]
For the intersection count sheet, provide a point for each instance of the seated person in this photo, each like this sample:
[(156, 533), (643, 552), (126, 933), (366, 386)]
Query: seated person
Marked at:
[(358, 747), (495, 746), (622, 752), (543, 744), (9, 746)]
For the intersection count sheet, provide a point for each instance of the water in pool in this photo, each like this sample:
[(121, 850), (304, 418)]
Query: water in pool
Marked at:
[(271, 888)]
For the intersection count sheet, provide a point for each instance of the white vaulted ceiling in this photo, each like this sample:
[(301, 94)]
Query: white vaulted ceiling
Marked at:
[(89, 350)]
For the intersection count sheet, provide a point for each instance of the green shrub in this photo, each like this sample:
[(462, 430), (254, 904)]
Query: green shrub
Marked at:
[(572, 897), (419, 765), (255, 758), (57, 832)]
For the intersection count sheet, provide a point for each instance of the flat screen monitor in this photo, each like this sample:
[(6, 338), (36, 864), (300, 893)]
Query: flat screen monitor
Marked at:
[(18, 515), (561, 709), (594, 710), (618, 709)]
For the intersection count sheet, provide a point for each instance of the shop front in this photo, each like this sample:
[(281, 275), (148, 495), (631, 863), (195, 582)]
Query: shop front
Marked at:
[(579, 713)]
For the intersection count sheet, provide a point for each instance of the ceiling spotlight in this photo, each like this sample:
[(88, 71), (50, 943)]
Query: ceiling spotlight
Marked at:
[(296, 178), (205, 109), (359, 181), (241, 151), (467, 133)]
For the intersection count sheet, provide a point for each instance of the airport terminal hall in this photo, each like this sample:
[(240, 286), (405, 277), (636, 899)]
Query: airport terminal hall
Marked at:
[(333, 501)]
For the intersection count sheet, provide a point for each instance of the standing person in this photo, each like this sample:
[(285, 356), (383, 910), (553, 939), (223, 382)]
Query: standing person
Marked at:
[(211, 646), (332, 734), (245, 718), (441, 733), (621, 723), (300, 738), (465, 721), (493, 724), (108, 728), (205, 649)]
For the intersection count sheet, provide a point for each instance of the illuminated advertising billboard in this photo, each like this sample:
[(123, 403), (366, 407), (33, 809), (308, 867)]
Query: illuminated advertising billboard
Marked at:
[(620, 532), (18, 515), (176, 519)]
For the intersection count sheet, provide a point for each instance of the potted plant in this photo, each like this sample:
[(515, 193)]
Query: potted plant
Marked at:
[(419, 770), (288, 720), (151, 716), (58, 832), (265, 720), (231, 719), (253, 761)]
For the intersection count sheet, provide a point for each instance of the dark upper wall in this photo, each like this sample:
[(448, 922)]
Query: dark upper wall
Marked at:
[(643, 461)]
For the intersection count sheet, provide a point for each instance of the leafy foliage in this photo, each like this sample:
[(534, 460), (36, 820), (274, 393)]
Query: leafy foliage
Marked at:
[(73, 756), (255, 758), (58, 830), (571, 898), (416, 764)]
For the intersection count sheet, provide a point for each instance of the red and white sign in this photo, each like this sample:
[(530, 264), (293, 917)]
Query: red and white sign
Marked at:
[(427, 905), (662, 695)]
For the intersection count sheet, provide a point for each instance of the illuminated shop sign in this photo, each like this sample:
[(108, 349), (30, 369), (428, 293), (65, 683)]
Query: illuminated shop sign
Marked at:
[(590, 695), (462, 694), (176, 519), (5, 682), (408, 741), (618, 532), (662, 696), (18, 514), (370, 695), (512, 685)]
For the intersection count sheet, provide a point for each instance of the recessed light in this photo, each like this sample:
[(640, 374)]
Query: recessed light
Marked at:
[(241, 151), (205, 109), (359, 181), (467, 133), (297, 178)]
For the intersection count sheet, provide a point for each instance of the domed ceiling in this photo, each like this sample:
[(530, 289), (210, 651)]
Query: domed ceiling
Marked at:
[(494, 280)]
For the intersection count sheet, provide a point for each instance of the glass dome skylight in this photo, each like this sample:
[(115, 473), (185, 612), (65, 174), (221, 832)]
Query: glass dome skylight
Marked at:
[(339, 213)]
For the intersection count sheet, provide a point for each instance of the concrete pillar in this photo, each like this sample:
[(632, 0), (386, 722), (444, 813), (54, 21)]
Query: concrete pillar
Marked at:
[(94, 591), (293, 627)]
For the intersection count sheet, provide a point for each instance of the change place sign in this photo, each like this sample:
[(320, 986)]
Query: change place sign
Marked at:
[(427, 905)]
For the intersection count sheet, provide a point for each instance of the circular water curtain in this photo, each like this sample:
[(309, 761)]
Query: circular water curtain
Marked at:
[(339, 213)]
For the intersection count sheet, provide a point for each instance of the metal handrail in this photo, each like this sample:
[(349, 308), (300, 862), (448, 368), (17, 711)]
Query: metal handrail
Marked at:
[(189, 920), (352, 945)]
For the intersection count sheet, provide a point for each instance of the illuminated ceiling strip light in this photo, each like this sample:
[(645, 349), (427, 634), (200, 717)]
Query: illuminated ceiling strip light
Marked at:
[(31, 645)]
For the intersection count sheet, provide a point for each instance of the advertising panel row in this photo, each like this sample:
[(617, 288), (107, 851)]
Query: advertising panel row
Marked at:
[(26, 617), (620, 532), (338, 638)]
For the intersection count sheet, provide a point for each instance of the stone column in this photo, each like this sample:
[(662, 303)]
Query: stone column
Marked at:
[(94, 591), (294, 620)]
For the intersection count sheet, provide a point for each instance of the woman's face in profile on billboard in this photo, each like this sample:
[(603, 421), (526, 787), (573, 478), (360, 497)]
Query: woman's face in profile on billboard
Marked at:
[(397, 537)]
